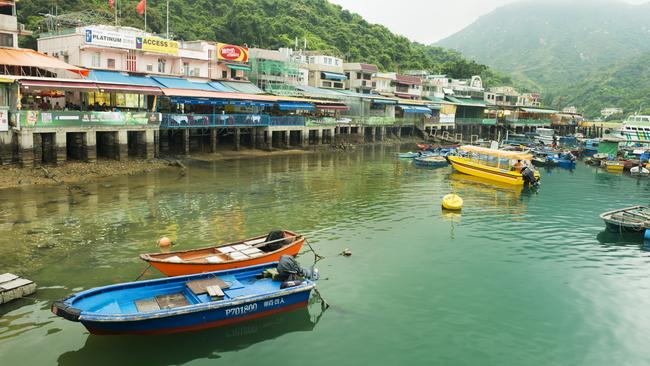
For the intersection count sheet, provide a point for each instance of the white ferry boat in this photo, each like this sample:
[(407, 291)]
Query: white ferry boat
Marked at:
[(545, 135), (635, 129)]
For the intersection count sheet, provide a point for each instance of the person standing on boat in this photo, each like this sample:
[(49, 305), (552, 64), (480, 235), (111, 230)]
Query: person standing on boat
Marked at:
[(518, 166)]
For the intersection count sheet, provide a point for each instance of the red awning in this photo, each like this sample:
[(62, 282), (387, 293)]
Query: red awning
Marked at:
[(56, 84), (192, 93), (334, 107), (30, 58), (134, 89), (405, 96)]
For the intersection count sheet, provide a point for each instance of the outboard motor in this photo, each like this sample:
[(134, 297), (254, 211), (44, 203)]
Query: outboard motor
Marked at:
[(529, 177), (289, 270)]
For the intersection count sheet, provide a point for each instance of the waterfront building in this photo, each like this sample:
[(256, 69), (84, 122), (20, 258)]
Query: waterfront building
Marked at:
[(509, 96), (275, 71), (608, 112), (397, 85), (324, 71), (359, 77), (10, 29)]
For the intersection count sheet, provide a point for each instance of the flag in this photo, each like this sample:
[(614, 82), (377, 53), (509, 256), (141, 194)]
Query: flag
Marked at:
[(142, 5), (111, 3)]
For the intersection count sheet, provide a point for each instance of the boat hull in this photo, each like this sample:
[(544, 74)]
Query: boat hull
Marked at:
[(181, 269), (209, 318), (466, 166)]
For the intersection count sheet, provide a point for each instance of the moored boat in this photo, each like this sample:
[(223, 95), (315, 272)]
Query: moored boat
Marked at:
[(629, 219), (431, 161), (497, 165), (615, 166), (639, 171), (249, 252), (184, 303)]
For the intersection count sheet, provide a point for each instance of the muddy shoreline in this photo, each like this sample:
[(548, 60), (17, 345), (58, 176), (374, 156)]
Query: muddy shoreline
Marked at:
[(70, 172)]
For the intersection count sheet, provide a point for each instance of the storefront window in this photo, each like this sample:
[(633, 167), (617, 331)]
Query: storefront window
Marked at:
[(4, 96), (129, 100)]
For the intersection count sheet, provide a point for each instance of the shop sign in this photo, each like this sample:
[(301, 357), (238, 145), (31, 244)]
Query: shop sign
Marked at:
[(100, 37), (230, 52), (157, 45)]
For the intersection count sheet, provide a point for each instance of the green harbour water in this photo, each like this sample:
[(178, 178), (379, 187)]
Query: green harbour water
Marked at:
[(518, 278)]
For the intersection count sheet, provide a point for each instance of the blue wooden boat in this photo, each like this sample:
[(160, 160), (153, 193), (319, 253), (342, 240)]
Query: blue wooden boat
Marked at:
[(183, 303), (407, 155), (431, 161)]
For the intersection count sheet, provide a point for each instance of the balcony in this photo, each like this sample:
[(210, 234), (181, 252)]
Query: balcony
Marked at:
[(55, 119), (476, 121), (529, 122)]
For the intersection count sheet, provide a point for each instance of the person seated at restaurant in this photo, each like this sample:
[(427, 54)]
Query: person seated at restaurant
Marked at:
[(57, 106)]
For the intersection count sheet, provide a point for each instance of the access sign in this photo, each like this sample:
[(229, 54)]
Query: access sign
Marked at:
[(157, 45), (230, 52)]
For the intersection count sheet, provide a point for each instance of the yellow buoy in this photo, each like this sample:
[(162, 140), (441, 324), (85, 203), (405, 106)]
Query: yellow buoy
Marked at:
[(452, 202), (164, 242)]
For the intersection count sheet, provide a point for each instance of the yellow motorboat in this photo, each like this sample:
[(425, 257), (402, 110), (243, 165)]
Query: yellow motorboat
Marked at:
[(615, 166), (509, 167), (452, 202)]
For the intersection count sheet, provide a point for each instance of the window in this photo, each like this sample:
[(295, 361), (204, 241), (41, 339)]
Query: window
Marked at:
[(111, 63), (233, 73), (197, 71), (161, 65), (338, 85), (327, 84), (150, 67), (6, 40), (96, 59), (186, 68), (224, 74), (4, 97)]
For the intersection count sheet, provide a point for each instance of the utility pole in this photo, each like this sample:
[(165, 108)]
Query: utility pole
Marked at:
[(167, 19)]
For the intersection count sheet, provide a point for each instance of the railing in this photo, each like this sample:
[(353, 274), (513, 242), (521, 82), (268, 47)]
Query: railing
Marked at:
[(533, 122), (213, 120), (320, 122), (52, 119), (476, 121), (287, 121)]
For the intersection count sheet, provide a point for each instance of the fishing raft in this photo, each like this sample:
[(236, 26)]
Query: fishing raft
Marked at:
[(630, 219)]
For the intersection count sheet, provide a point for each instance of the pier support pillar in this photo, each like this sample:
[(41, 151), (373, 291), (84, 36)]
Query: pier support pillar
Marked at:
[(254, 137), (237, 138), (60, 144), (6, 148), (26, 148), (213, 140), (319, 136), (399, 132), (304, 137), (122, 150), (90, 144), (373, 134), (286, 135), (185, 136), (149, 144), (270, 140)]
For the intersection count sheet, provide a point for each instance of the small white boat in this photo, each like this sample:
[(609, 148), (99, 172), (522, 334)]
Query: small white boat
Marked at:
[(639, 171)]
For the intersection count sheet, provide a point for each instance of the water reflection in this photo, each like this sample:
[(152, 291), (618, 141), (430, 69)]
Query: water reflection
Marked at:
[(176, 349)]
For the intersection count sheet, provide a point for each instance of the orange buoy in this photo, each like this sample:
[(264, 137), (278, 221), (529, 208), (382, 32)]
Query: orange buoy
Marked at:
[(164, 242)]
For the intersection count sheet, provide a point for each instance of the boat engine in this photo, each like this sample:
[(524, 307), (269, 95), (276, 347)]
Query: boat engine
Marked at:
[(529, 177), (290, 270)]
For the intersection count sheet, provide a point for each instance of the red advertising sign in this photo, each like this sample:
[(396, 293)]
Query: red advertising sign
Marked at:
[(230, 52)]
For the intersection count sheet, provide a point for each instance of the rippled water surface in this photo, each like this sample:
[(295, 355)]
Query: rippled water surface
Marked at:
[(520, 278)]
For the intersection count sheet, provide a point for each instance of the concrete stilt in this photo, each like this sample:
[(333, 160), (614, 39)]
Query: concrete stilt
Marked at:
[(254, 137), (6, 155), (90, 144), (185, 134), (149, 144), (399, 132), (213, 140), (286, 135), (26, 143), (373, 134), (237, 138), (122, 148), (304, 137), (319, 136), (60, 143)]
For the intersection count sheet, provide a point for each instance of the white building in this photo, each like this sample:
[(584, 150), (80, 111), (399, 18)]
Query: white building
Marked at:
[(9, 27), (324, 71), (608, 112)]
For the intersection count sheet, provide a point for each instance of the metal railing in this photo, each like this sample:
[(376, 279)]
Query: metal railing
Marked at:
[(476, 121), (213, 120), (528, 122), (287, 120)]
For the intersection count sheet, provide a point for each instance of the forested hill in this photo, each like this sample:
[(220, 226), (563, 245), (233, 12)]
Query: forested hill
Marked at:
[(277, 23)]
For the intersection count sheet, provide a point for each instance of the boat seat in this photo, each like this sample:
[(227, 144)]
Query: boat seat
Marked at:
[(214, 259), (241, 247), (199, 287), (226, 250), (174, 259), (253, 252), (147, 305), (237, 255), (255, 241), (215, 292), (172, 301)]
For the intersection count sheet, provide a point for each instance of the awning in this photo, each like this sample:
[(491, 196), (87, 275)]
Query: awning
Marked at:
[(178, 83), (242, 87), (58, 84), (239, 67), (383, 101), (468, 102), (434, 106), (211, 101), (116, 77), (540, 111), (31, 58), (219, 86), (414, 109), (333, 76), (6, 81), (132, 89), (189, 93), (333, 107), (284, 106), (405, 96)]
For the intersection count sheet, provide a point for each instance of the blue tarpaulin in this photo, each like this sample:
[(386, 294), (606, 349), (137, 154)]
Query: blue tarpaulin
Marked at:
[(103, 76), (211, 101), (295, 106), (178, 83), (333, 76), (414, 109)]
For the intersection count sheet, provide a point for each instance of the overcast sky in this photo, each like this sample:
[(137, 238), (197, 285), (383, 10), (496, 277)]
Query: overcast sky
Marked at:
[(421, 20)]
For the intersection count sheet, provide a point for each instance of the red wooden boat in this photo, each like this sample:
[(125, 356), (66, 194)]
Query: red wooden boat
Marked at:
[(245, 253)]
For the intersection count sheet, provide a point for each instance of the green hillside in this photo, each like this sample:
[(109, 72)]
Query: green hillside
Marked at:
[(277, 23), (556, 43)]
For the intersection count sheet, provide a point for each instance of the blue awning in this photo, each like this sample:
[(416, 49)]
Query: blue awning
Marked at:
[(220, 87), (295, 106), (333, 76), (211, 101), (383, 101), (414, 109), (178, 83), (104, 76)]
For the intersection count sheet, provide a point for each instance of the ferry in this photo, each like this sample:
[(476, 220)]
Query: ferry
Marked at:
[(496, 165), (635, 129)]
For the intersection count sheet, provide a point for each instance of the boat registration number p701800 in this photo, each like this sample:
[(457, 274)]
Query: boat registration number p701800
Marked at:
[(241, 310)]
